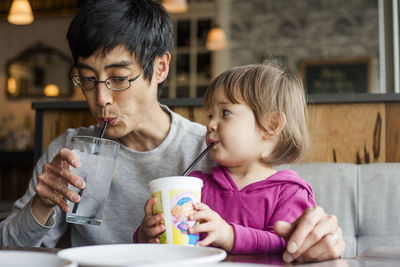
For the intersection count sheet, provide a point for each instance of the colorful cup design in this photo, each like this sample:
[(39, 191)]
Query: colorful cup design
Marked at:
[(175, 198), (181, 207)]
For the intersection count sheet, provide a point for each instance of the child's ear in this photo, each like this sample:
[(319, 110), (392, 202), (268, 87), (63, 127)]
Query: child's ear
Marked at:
[(275, 122), (161, 67)]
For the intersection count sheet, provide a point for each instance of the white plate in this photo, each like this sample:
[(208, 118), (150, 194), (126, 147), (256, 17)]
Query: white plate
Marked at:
[(141, 254), (16, 258), (221, 264)]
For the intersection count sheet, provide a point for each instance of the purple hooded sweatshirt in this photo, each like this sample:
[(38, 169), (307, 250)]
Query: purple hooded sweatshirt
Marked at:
[(253, 210)]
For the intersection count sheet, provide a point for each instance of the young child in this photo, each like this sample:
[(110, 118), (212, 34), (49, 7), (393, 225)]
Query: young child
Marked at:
[(257, 120)]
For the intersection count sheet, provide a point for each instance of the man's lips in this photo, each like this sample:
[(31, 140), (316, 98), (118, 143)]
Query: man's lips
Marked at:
[(111, 121)]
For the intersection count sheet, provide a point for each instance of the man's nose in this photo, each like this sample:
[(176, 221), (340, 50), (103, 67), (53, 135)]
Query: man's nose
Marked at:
[(104, 95)]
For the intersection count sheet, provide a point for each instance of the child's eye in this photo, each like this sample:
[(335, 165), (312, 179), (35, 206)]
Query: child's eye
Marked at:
[(209, 116), (225, 112)]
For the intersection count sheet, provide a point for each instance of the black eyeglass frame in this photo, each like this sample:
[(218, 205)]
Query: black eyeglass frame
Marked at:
[(95, 82)]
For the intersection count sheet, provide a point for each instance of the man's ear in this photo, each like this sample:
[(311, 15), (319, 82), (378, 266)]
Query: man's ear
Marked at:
[(275, 122), (161, 67)]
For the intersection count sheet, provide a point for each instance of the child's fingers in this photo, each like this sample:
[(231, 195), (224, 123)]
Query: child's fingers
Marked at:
[(148, 207), (205, 215), (155, 240), (154, 231), (201, 206), (153, 220), (206, 227), (206, 241)]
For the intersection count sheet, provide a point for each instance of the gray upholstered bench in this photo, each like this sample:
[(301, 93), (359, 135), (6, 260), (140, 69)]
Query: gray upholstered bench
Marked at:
[(365, 198)]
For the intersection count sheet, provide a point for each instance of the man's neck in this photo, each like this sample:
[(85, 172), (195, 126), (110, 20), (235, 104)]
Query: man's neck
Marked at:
[(150, 132)]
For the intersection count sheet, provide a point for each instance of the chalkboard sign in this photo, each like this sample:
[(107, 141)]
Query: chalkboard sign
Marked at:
[(333, 76)]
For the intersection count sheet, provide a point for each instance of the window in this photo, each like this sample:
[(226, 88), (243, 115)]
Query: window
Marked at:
[(190, 68)]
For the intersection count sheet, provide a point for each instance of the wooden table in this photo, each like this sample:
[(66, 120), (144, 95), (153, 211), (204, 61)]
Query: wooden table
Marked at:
[(269, 260)]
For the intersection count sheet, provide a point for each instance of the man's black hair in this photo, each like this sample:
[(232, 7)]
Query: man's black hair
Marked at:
[(142, 26)]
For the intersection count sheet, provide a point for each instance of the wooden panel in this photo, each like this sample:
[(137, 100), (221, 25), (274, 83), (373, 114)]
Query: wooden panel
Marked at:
[(55, 122), (186, 112), (392, 132), (197, 114), (353, 133), (201, 115)]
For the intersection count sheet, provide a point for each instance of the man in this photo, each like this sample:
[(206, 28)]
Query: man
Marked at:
[(121, 51)]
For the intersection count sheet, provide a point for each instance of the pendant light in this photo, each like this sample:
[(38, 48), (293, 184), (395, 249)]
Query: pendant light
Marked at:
[(175, 6), (216, 39), (51, 90), (20, 13)]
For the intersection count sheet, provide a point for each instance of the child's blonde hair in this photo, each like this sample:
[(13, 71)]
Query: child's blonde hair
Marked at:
[(269, 89)]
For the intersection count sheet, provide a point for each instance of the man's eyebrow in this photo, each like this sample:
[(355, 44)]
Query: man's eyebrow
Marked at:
[(125, 63), (81, 65)]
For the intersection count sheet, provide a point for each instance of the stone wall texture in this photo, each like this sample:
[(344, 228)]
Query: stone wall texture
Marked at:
[(301, 29)]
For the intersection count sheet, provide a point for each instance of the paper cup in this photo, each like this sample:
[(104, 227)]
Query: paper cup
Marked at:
[(175, 198)]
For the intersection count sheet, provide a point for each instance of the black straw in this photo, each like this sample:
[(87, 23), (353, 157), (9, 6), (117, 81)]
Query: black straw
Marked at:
[(97, 148), (104, 129), (186, 172)]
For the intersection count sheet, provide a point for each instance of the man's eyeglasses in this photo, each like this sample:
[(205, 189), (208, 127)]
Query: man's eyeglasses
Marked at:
[(112, 83)]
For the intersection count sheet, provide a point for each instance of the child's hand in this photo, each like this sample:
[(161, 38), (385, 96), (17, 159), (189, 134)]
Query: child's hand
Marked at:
[(151, 226), (220, 233)]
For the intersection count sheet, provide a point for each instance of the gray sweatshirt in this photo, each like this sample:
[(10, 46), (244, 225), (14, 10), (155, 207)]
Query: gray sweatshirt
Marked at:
[(124, 208)]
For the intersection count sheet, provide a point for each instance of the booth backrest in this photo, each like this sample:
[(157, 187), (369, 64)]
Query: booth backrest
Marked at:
[(365, 198)]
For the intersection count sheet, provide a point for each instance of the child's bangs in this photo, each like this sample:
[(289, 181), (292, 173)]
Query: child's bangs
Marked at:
[(225, 84)]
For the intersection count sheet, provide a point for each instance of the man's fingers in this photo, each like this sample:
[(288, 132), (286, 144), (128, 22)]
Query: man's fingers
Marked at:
[(283, 229), (52, 184), (50, 197), (325, 227), (51, 170), (61, 186), (61, 163), (324, 238), (305, 224), (69, 157), (57, 184), (331, 246)]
